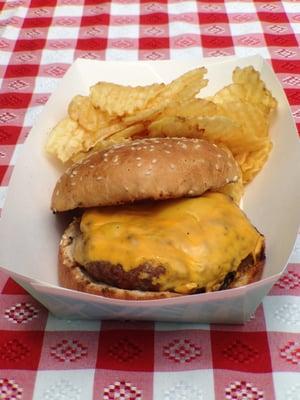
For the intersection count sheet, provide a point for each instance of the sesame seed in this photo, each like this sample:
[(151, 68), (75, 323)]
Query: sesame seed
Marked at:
[(139, 164), (215, 145), (217, 167), (227, 180), (73, 183), (80, 178), (92, 166), (167, 152), (115, 159), (126, 188), (154, 161), (105, 159), (183, 145), (191, 191), (197, 146), (99, 178), (148, 172), (138, 158), (219, 155), (57, 192), (139, 148), (74, 172), (145, 147), (151, 149), (235, 178), (172, 166)]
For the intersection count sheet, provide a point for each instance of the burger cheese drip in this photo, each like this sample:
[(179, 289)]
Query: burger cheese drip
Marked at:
[(197, 241)]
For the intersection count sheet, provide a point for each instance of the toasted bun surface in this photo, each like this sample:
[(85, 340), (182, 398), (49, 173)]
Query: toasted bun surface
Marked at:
[(154, 168), (73, 276)]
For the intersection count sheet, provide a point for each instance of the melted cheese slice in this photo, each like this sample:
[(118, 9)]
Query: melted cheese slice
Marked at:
[(197, 240)]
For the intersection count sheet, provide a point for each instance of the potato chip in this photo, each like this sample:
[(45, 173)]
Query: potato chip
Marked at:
[(174, 126), (128, 132), (251, 163), (183, 88), (68, 139), (247, 87), (82, 110), (191, 108), (98, 146), (122, 100), (255, 89)]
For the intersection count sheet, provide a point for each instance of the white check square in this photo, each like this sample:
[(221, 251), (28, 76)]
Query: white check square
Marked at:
[(124, 9), (123, 31), (71, 384), (233, 7), (57, 324), (121, 55), (65, 56), (11, 33), (196, 385), (31, 115), (282, 313), (59, 32), (68, 11), (246, 28), (190, 52), (45, 85), (183, 28), (3, 190), (4, 58), (246, 51), (182, 7), (286, 385)]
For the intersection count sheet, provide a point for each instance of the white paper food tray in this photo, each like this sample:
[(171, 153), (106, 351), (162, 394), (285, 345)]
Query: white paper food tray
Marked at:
[(30, 234)]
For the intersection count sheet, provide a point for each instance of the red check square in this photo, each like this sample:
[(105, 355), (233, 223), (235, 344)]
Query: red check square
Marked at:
[(153, 43), (154, 19), (241, 351), (281, 40), (273, 17), (3, 169), (30, 45), (92, 44), (14, 100), (36, 22), (95, 20), (126, 350), (286, 66), (20, 350), (213, 18), (21, 70), (216, 42), (43, 3), (11, 287)]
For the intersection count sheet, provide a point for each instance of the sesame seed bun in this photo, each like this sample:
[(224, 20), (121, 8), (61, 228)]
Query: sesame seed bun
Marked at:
[(154, 168)]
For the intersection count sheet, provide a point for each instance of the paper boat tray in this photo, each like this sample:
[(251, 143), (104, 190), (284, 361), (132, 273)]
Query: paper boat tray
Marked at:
[(30, 233)]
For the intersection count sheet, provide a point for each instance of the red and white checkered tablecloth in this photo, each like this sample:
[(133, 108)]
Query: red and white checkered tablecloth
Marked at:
[(42, 357)]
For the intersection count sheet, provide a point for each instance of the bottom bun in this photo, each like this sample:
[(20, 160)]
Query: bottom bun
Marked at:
[(73, 276)]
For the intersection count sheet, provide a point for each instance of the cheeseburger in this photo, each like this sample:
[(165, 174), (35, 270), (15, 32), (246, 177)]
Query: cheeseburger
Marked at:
[(154, 224)]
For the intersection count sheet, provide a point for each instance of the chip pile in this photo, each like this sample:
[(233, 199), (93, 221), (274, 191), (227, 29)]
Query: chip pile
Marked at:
[(236, 117)]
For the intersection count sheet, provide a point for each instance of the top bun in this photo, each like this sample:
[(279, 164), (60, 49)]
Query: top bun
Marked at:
[(152, 168)]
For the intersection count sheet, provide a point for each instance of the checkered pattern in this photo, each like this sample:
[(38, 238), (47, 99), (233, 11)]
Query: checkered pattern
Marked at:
[(42, 357)]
